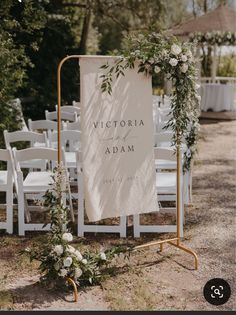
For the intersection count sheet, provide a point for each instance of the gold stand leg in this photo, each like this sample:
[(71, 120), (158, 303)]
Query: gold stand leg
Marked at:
[(171, 242), (187, 250), (74, 287)]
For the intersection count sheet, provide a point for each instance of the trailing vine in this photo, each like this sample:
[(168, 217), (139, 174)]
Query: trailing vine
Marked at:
[(157, 53)]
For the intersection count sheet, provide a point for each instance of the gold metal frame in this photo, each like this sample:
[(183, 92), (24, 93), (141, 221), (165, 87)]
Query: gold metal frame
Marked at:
[(172, 241)]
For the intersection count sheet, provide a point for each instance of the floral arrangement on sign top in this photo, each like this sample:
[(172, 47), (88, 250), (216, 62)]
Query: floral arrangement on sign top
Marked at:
[(156, 53), (214, 38), (58, 259)]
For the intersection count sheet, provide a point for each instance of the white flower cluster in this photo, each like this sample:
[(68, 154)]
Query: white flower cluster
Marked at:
[(179, 57), (67, 237), (60, 178), (216, 37)]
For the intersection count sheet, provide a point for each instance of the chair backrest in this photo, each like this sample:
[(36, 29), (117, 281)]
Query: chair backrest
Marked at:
[(164, 114), (71, 137), (163, 138), (64, 116), (70, 109), (6, 156), (24, 136), (71, 125), (46, 154), (42, 125)]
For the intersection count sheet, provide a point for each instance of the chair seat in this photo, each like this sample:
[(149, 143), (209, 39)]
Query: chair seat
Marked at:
[(3, 180), (166, 183), (165, 164), (164, 144), (37, 181)]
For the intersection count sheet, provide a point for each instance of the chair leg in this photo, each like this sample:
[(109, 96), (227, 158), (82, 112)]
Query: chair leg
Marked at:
[(21, 213), (80, 230), (71, 204), (182, 214), (136, 224), (123, 226), (10, 211), (27, 212), (190, 186)]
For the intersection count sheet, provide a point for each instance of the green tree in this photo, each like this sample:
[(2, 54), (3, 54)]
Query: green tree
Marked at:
[(18, 22)]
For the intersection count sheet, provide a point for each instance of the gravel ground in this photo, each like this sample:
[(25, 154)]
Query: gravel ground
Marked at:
[(151, 280)]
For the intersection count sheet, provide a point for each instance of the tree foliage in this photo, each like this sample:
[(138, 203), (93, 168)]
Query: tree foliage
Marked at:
[(18, 24)]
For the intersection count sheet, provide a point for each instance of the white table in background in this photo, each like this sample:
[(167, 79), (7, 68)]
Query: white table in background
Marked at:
[(217, 97)]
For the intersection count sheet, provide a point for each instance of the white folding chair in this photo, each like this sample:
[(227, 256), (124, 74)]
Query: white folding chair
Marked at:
[(163, 139), (162, 117), (71, 142), (71, 125), (33, 138), (69, 109), (46, 125), (6, 185), (35, 183), (93, 228), (166, 186), (64, 116)]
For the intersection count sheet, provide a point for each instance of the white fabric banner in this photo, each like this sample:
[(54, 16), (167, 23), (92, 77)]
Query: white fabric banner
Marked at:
[(117, 142)]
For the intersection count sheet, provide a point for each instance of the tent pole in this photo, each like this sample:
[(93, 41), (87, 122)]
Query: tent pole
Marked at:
[(214, 65)]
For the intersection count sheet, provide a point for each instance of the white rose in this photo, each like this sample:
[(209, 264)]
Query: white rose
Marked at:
[(63, 272), (175, 49), (151, 60), (71, 249), (56, 266), (173, 62), (78, 255), (184, 68), (157, 69), (103, 256), (184, 58), (78, 272), (84, 261), (58, 249), (189, 53), (198, 97), (67, 237), (67, 261), (229, 36), (197, 86)]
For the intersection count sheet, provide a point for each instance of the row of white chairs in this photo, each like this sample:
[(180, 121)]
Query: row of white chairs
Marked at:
[(37, 182)]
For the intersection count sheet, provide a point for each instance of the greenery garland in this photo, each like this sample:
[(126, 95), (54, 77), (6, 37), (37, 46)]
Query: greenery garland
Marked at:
[(214, 38), (58, 259), (158, 53)]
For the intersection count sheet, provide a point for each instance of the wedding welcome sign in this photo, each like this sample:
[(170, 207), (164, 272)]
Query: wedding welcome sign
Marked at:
[(117, 142)]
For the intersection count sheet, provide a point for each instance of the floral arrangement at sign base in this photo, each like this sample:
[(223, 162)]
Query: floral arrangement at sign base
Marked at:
[(158, 53), (60, 262)]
